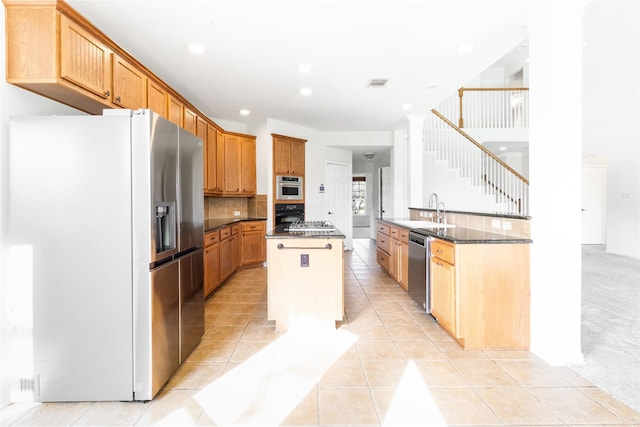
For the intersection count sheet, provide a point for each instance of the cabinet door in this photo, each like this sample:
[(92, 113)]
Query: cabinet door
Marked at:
[(236, 256), (253, 243), (443, 293), (219, 162), (84, 60), (210, 160), (394, 265), (248, 165), (156, 98), (211, 268), (297, 158), (175, 110), (189, 120), (281, 156), (403, 275), (231, 175), (225, 259), (129, 85)]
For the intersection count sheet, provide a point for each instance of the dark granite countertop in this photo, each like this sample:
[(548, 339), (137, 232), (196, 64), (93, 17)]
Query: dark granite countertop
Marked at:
[(280, 233), (461, 235), (213, 223)]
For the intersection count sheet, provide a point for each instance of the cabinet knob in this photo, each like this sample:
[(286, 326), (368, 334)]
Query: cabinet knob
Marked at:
[(117, 99), (108, 93)]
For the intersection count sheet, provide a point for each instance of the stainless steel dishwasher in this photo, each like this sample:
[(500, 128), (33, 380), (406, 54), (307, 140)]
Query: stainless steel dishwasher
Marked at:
[(419, 247)]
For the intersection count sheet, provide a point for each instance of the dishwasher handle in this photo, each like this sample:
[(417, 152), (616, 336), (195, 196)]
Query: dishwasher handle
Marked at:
[(418, 240)]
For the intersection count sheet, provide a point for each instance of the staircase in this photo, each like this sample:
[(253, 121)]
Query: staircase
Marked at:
[(455, 164)]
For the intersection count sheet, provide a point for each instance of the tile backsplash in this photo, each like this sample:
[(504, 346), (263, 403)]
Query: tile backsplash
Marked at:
[(516, 227), (224, 207)]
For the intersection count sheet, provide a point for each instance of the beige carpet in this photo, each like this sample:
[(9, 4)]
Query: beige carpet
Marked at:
[(611, 323)]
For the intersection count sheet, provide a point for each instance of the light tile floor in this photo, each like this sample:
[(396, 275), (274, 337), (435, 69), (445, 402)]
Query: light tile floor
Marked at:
[(387, 364)]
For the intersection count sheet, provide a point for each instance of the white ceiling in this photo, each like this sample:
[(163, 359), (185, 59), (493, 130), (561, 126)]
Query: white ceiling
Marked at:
[(252, 49)]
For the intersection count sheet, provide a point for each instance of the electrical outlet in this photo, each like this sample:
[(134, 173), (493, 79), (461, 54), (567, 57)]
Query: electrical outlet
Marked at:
[(422, 214), (506, 225), (495, 223), (236, 213)]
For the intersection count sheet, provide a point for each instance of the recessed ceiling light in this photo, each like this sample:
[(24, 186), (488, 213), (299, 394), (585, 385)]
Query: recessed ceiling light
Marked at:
[(407, 106), (305, 91), (245, 112), (304, 67), (196, 48), (465, 48), (432, 86), (503, 148)]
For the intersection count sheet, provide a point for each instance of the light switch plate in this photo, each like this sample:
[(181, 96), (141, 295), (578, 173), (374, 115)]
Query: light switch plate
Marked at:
[(304, 260), (495, 223)]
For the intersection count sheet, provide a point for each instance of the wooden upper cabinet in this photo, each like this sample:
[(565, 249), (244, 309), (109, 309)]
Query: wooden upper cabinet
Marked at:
[(84, 60), (157, 98), (297, 157), (288, 155), (210, 160), (175, 110), (248, 165), (231, 177), (129, 84), (189, 120)]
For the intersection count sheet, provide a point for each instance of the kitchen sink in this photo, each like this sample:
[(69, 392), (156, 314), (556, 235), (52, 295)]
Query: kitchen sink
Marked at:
[(423, 224)]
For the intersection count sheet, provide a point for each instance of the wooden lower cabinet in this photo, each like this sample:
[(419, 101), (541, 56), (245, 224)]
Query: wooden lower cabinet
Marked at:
[(392, 252), (443, 294), (211, 261), (480, 293), (253, 243), (399, 256), (231, 247), (226, 258)]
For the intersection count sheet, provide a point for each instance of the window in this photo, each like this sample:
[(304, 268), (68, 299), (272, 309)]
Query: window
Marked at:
[(358, 195)]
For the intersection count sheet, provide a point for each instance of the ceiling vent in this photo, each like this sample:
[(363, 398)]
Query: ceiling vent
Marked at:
[(377, 82)]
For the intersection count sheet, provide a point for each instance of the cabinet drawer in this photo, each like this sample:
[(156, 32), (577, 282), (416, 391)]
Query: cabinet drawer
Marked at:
[(383, 259), (252, 226), (403, 235), (235, 229), (211, 238), (443, 250), (383, 242), (383, 228), (394, 232), (225, 233)]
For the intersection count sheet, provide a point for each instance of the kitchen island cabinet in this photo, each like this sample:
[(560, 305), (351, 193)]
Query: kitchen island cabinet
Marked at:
[(483, 299), (305, 279)]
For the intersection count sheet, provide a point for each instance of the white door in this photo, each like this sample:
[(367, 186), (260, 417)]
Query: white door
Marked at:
[(593, 205), (386, 198), (338, 199)]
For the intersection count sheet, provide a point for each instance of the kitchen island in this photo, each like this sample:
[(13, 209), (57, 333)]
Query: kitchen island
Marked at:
[(305, 278)]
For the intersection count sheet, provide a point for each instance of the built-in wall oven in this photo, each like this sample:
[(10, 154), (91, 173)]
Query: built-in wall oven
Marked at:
[(419, 253), (289, 187), (288, 213)]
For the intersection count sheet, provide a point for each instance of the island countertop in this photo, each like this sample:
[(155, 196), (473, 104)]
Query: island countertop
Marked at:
[(460, 235), (280, 233)]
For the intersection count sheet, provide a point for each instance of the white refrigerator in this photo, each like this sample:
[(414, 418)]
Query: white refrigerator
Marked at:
[(107, 214)]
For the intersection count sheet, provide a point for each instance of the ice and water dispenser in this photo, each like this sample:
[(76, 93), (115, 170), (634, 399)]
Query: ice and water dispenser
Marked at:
[(165, 228)]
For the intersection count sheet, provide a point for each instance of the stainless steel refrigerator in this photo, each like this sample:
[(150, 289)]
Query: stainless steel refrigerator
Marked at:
[(106, 213)]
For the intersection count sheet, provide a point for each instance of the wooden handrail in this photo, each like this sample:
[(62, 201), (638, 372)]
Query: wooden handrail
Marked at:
[(480, 146)]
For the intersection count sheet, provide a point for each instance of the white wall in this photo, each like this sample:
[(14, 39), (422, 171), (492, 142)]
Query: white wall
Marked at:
[(611, 113)]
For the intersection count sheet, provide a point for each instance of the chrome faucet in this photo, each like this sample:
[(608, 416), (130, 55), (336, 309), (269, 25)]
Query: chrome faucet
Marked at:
[(438, 213), (443, 218)]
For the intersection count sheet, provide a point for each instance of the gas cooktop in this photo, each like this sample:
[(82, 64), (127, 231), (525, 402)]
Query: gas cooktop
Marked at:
[(311, 226)]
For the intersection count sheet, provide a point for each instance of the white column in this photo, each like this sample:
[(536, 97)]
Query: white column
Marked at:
[(416, 160), (400, 175), (555, 68)]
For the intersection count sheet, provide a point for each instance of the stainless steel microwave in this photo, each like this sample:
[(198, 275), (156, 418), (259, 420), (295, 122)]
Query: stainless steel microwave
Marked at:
[(288, 187)]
